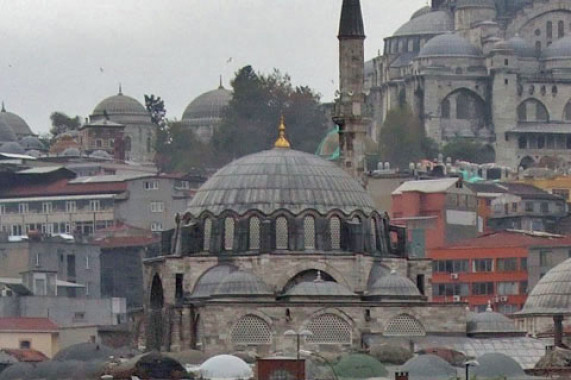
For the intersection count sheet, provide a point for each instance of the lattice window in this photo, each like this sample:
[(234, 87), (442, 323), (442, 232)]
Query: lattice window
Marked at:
[(254, 233), (207, 234), (309, 232), (404, 325), (335, 229), (374, 234), (329, 329), (251, 330), (282, 374), (228, 234), (281, 233)]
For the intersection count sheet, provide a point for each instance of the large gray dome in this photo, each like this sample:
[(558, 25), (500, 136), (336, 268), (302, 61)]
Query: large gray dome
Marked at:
[(560, 49), (281, 179), (122, 109), (449, 45), (427, 23), (18, 125), (552, 294), (498, 366), (394, 285), (6, 133), (211, 279), (209, 105), (422, 11), (319, 288), (520, 47), (490, 322), (241, 283)]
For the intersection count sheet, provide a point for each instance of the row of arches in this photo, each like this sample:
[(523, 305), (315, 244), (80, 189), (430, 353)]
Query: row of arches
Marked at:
[(534, 110)]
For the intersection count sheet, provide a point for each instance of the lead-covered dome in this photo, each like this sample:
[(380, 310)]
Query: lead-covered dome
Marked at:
[(436, 22), (241, 283), (6, 133), (209, 105), (281, 179), (552, 294), (449, 45), (560, 49), (490, 322), (32, 143), (15, 122), (519, 46), (12, 147), (122, 109), (319, 288), (394, 286)]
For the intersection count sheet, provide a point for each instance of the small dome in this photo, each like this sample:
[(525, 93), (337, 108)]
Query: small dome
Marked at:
[(377, 271), (490, 322), (6, 133), (209, 105), (552, 294), (521, 47), (101, 154), (280, 179), (34, 153), (32, 142), (225, 367), (84, 352), (360, 366), (241, 283), (119, 105), (497, 365), (560, 49), (319, 288), (18, 125), (428, 367), (422, 11), (475, 4), (211, 279), (449, 45), (12, 147), (71, 152), (437, 22), (394, 285)]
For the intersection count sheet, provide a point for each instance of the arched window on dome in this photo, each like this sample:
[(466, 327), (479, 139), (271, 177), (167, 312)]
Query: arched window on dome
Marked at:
[(309, 233), (374, 234), (567, 112), (251, 330), (335, 232), (282, 233), (254, 238), (228, 234), (207, 234), (560, 29), (329, 329)]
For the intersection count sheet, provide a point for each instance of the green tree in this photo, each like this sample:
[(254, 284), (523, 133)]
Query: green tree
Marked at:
[(403, 139), (61, 123), (250, 121), (468, 150)]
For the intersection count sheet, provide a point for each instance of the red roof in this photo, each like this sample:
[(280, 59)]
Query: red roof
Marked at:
[(502, 239), (63, 187), (126, 241), (26, 356), (27, 324)]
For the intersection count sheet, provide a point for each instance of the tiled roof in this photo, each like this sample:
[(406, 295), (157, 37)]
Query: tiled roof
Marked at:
[(63, 187), (126, 241), (502, 239), (26, 356), (27, 324)]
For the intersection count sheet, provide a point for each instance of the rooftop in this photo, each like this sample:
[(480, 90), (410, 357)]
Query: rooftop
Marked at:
[(511, 238), (27, 324)]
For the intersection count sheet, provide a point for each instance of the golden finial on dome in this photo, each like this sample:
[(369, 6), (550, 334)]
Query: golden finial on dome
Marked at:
[(282, 142)]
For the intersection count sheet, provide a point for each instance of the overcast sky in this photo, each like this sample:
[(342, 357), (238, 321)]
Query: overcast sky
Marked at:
[(67, 55)]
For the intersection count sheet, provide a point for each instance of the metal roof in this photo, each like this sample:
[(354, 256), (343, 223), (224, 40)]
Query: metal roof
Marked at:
[(490, 322), (449, 45), (281, 179), (394, 285), (426, 186), (319, 288), (560, 49), (428, 367), (427, 23)]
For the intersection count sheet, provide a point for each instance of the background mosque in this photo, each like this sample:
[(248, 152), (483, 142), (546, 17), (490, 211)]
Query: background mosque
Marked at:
[(492, 71)]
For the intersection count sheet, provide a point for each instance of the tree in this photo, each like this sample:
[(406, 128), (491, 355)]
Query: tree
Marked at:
[(467, 150), (250, 121), (62, 123), (403, 139)]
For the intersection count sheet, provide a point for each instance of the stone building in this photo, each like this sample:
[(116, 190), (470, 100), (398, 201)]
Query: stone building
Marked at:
[(493, 71)]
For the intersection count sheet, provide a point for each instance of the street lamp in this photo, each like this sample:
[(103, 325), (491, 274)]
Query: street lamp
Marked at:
[(469, 363), (298, 335)]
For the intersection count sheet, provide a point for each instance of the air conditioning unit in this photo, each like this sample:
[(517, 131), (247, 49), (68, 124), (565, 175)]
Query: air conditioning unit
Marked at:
[(454, 276), (504, 299), (456, 298)]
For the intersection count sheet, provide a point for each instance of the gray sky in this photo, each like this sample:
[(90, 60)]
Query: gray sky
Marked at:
[(67, 55)]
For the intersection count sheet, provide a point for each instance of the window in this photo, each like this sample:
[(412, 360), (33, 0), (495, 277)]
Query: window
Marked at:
[(374, 234), (25, 344), (545, 258), (156, 226), (445, 109), (94, 205), (447, 290), (544, 207), (17, 230), (40, 286), (507, 265), (507, 288), (528, 206), (228, 234), (70, 206), (335, 231), (329, 329), (47, 207), (251, 330), (549, 29), (309, 232), (514, 206), (23, 208), (404, 325), (560, 29), (185, 185), (87, 262), (523, 264), (482, 265), (157, 206), (79, 316), (98, 143), (450, 266), (254, 233), (281, 233), (523, 287), (482, 288), (207, 234), (151, 185)]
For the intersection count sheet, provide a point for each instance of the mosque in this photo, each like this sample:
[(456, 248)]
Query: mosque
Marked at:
[(493, 71)]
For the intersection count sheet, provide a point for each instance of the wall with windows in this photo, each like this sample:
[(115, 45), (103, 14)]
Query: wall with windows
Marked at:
[(542, 259)]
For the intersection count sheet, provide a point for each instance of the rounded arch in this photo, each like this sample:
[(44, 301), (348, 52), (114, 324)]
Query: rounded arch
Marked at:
[(157, 298), (567, 111), (463, 114), (329, 327), (249, 330), (404, 325), (282, 232), (308, 275), (527, 162), (285, 277), (532, 110)]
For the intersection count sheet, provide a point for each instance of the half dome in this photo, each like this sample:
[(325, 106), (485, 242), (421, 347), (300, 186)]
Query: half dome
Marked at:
[(490, 322), (437, 22), (241, 283), (449, 45), (279, 179)]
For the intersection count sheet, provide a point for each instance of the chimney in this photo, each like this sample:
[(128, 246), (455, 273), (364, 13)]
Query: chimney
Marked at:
[(401, 375)]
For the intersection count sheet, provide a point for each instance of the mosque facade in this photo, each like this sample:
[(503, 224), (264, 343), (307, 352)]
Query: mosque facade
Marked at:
[(492, 71)]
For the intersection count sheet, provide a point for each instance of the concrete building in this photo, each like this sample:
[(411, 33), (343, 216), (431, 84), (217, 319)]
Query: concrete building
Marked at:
[(492, 71)]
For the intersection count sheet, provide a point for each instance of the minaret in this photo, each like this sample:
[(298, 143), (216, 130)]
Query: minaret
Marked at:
[(350, 106)]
